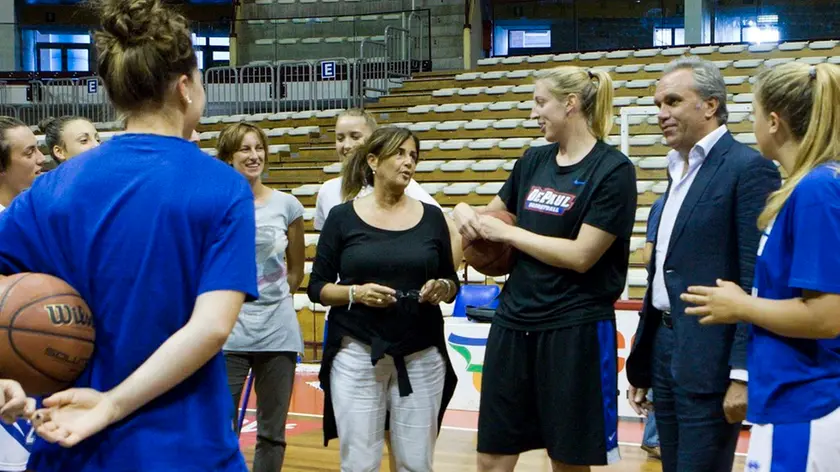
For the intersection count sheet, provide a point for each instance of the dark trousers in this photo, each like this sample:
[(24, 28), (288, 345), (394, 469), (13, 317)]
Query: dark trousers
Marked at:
[(274, 377), (693, 433)]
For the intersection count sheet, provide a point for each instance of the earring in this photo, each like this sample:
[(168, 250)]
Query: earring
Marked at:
[(189, 100)]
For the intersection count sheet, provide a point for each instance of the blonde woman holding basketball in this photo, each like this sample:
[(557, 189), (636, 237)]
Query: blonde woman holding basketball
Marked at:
[(550, 375), (794, 351)]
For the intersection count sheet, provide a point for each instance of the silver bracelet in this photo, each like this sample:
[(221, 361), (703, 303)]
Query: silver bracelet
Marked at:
[(351, 296), (450, 286)]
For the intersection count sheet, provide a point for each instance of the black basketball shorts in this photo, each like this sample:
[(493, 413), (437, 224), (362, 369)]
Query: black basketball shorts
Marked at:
[(555, 390)]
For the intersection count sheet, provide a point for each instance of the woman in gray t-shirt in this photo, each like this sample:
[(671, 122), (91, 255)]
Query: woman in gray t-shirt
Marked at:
[(267, 336)]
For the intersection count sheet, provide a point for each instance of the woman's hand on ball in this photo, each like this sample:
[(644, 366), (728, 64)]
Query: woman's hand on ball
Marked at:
[(467, 221), (74, 415), (435, 291), (493, 229), (13, 402), (375, 295)]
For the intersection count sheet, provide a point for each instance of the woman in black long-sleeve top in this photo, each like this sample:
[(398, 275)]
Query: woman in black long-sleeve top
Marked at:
[(385, 350)]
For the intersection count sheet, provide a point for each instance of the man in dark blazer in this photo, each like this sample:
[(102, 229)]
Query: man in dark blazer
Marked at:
[(707, 230)]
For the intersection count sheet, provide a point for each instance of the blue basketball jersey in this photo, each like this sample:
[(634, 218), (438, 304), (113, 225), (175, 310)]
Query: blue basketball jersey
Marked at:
[(798, 380), (141, 226), (15, 441)]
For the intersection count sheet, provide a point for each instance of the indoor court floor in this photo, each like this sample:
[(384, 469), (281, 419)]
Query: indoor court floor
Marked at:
[(455, 450)]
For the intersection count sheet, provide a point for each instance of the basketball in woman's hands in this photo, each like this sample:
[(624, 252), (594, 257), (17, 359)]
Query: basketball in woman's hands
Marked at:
[(46, 332), (489, 257)]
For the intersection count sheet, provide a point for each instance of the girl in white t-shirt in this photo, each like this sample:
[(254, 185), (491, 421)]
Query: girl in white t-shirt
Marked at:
[(352, 128)]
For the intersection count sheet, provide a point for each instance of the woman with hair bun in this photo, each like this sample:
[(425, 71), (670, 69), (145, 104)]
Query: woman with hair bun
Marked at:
[(160, 242)]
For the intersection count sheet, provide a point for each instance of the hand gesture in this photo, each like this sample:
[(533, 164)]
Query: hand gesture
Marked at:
[(375, 295), (735, 402), (493, 229), (466, 221), (717, 305), (74, 415), (639, 402), (435, 291), (13, 402)]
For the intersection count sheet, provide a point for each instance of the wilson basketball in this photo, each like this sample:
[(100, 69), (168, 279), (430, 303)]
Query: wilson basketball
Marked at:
[(488, 257), (46, 332)]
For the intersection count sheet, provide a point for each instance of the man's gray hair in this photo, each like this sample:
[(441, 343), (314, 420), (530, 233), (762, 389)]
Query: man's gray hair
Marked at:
[(708, 81)]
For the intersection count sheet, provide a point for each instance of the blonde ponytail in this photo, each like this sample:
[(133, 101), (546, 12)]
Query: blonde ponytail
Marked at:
[(593, 86), (807, 98), (601, 117)]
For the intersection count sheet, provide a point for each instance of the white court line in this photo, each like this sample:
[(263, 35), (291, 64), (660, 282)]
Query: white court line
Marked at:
[(456, 428), (308, 415)]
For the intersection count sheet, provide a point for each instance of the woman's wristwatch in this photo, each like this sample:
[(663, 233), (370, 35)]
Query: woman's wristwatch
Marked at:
[(351, 295)]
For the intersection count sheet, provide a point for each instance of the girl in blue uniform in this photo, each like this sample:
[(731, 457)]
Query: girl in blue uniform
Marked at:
[(159, 240), (794, 353), (21, 162)]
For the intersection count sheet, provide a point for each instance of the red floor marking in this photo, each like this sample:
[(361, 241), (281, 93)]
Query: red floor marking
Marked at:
[(294, 425)]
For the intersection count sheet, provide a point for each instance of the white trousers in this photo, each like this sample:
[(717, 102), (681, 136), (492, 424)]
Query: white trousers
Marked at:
[(361, 395), (798, 447)]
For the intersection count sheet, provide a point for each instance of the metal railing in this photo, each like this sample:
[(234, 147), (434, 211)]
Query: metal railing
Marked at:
[(373, 69), (419, 28), (222, 91), (83, 97), (288, 87), (337, 84), (319, 9), (92, 100), (400, 46), (274, 39), (257, 86), (264, 88), (385, 64), (296, 86), (320, 84)]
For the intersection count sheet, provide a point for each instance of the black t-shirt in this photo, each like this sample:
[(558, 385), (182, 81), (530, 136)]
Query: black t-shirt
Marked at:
[(358, 253), (556, 201)]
